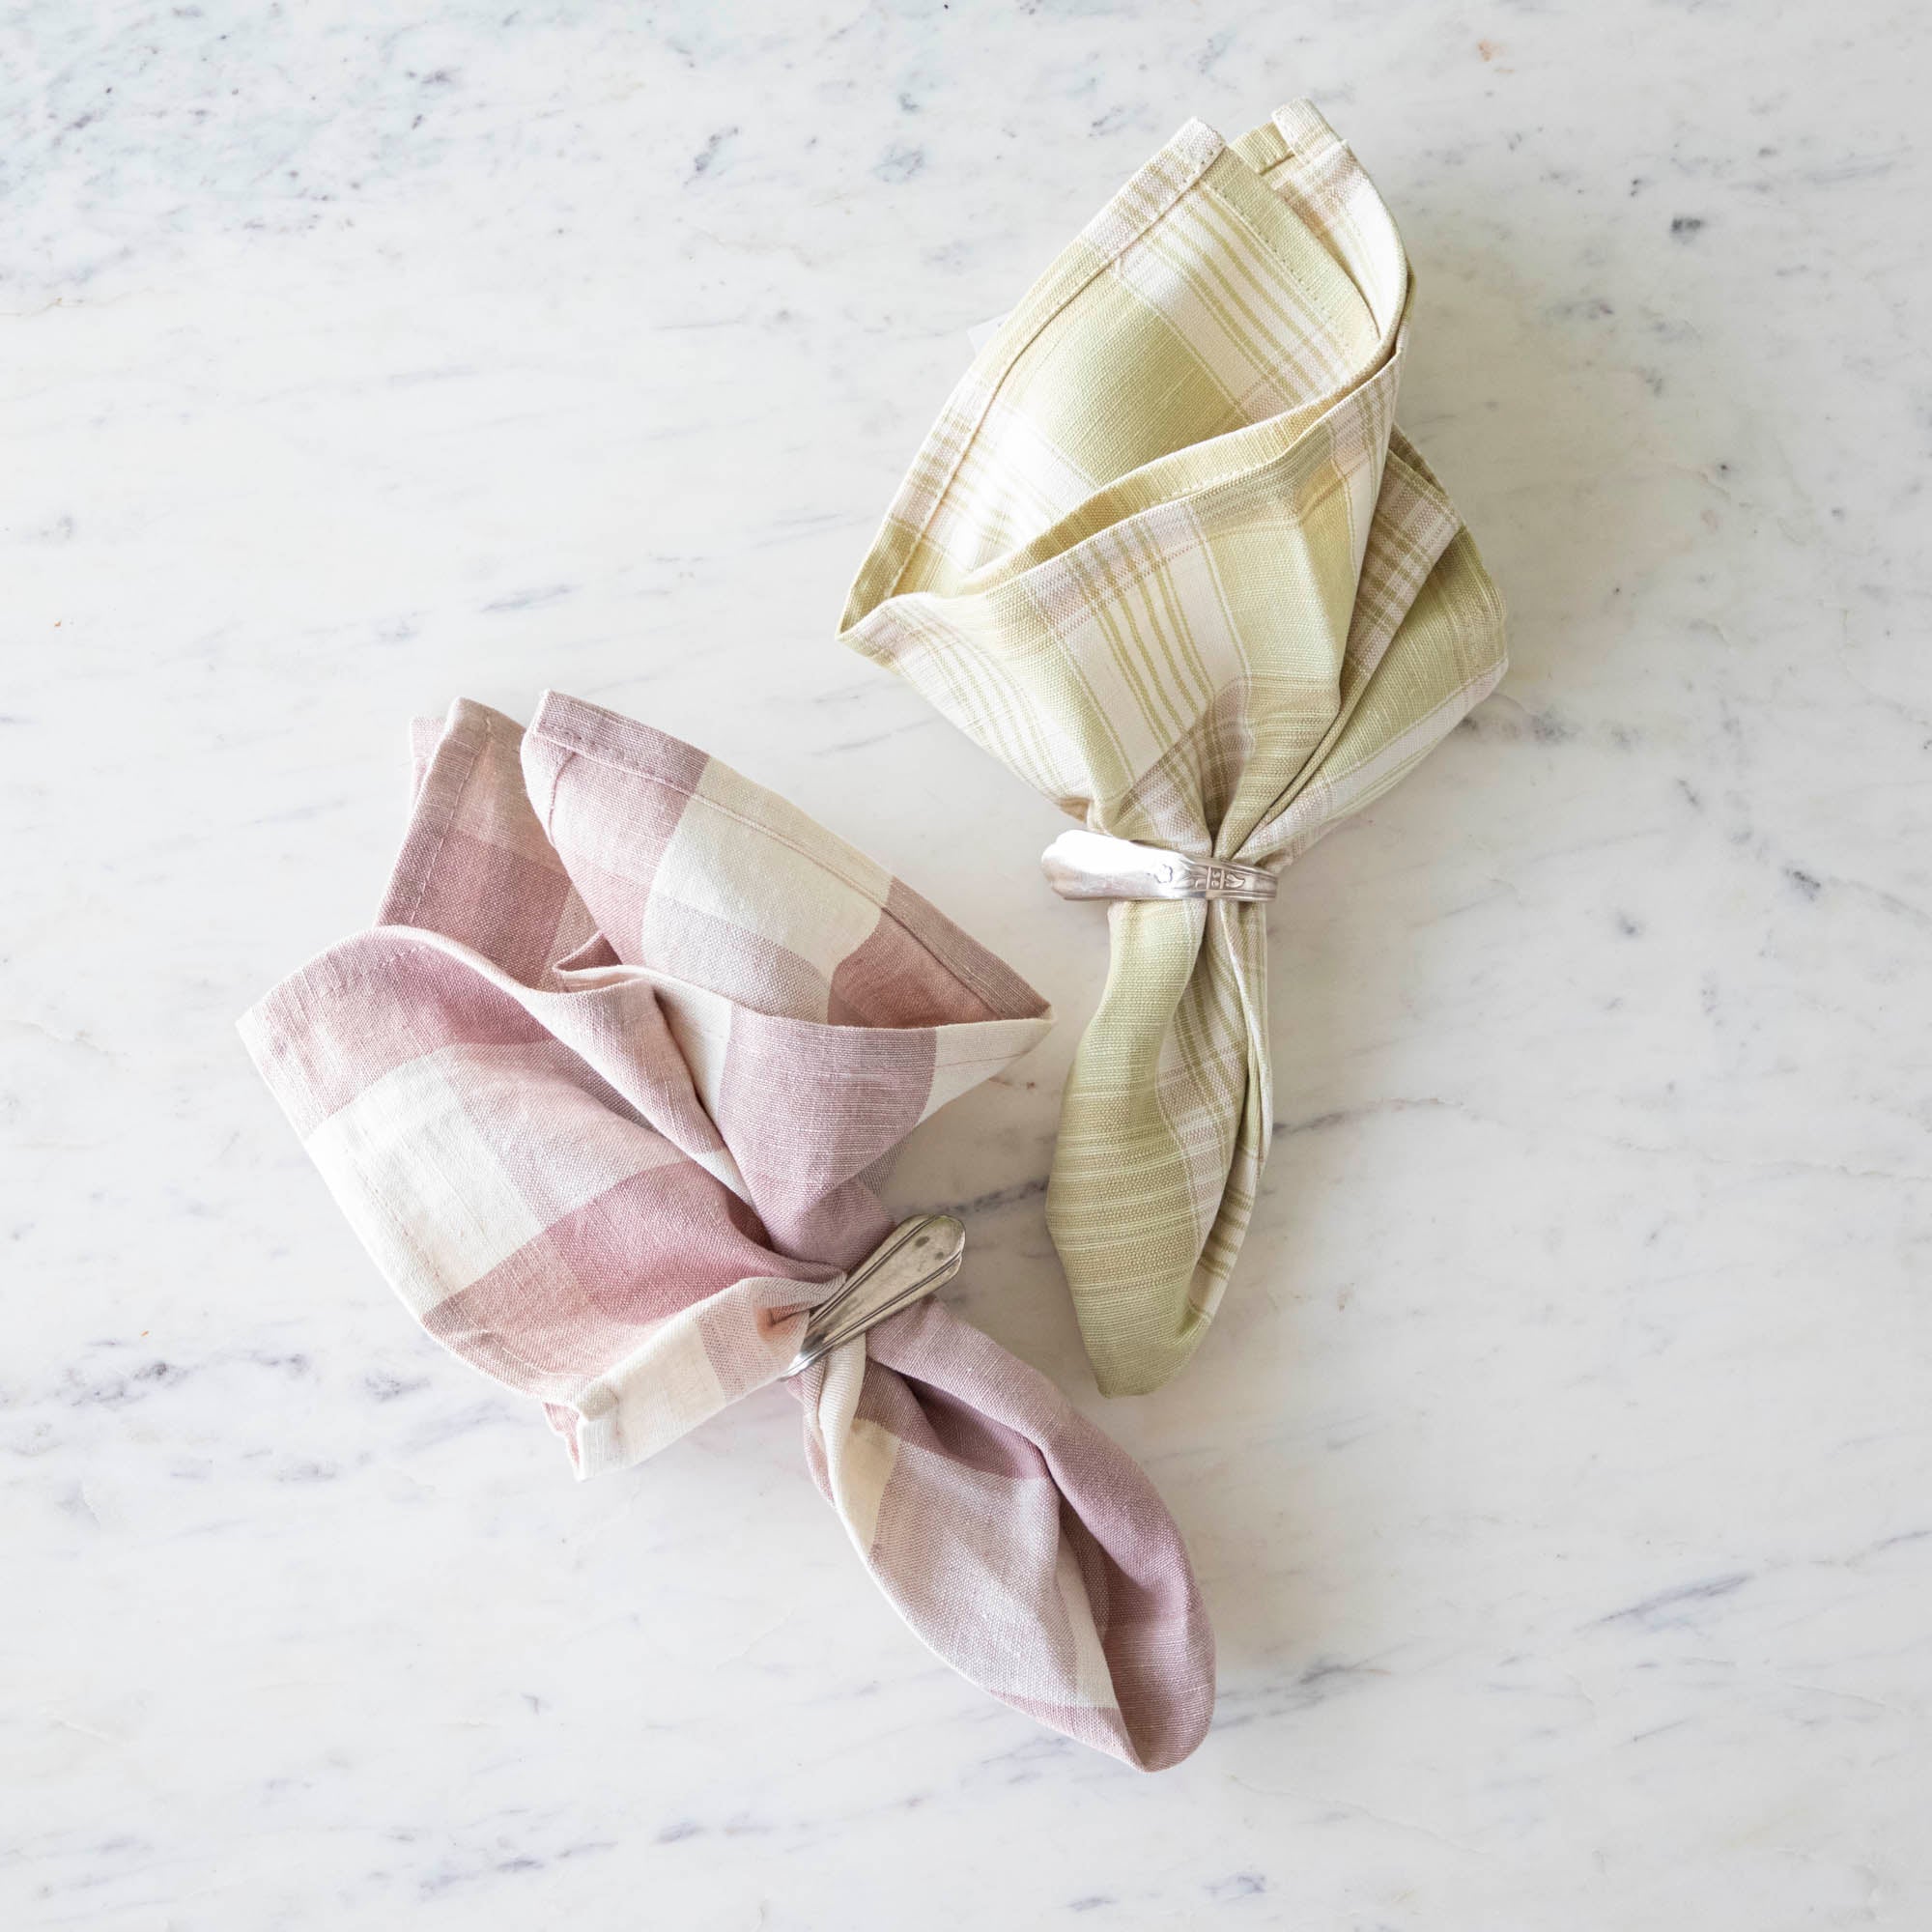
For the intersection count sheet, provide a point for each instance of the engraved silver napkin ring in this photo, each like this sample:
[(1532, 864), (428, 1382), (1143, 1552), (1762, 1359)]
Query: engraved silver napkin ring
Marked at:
[(1091, 865), (916, 1258)]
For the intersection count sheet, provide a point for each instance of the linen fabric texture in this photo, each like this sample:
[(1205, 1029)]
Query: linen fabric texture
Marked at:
[(1166, 556), (608, 1091)]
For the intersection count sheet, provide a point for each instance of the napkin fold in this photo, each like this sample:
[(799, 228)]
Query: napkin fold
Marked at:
[(1166, 554), (608, 1091)]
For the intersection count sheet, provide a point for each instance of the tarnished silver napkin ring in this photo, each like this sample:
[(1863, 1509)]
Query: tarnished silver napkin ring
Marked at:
[(1091, 865), (916, 1258)]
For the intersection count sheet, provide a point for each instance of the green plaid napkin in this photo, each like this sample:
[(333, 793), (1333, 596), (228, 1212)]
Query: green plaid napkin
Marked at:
[(1167, 555)]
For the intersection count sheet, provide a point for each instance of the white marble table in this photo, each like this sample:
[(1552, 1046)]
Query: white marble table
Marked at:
[(1558, 1473)]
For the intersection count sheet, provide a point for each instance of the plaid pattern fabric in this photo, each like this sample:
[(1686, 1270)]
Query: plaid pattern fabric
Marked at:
[(607, 1091), (1166, 554)]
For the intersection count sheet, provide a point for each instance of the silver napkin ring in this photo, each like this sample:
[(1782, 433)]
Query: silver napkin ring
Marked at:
[(917, 1257), (1091, 865)]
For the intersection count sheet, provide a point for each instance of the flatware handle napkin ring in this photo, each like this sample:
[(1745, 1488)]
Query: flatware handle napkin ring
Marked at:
[(1091, 865), (916, 1258)]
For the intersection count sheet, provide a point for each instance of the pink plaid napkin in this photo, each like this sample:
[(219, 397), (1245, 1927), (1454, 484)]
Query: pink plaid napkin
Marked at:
[(607, 1091)]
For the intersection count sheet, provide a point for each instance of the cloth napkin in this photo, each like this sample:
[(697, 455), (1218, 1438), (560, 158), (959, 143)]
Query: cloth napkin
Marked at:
[(607, 1093), (1166, 554)]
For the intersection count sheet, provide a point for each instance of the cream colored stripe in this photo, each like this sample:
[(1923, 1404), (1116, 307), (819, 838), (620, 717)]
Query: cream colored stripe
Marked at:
[(859, 1456)]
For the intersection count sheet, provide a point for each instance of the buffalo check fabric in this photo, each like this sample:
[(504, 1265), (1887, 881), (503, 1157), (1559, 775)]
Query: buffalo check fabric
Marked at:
[(1166, 554), (607, 1093)]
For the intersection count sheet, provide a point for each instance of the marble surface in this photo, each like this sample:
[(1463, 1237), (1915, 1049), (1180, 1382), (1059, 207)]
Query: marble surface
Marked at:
[(1558, 1472)]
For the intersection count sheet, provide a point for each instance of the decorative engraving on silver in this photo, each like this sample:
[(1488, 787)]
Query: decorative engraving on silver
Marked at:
[(917, 1257), (1091, 866)]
